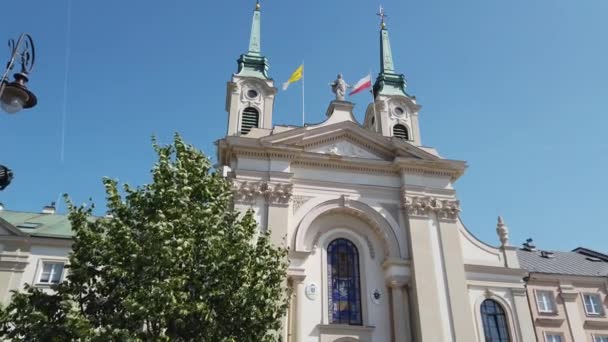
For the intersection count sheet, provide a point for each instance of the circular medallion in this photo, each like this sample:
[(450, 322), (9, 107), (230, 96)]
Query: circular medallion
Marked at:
[(399, 111), (311, 291), (252, 93), (376, 296)]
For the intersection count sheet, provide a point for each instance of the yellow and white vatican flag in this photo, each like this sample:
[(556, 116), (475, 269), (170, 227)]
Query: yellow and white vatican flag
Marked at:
[(296, 76)]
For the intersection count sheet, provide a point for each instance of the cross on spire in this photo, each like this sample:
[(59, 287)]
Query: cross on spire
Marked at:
[(257, 5), (382, 16)]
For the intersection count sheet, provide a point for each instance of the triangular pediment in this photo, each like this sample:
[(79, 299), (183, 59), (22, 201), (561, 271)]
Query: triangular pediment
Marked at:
[(346, 139), (344, 147)]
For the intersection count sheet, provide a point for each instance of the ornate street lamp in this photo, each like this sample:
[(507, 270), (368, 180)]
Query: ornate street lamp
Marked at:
[(14, 96)]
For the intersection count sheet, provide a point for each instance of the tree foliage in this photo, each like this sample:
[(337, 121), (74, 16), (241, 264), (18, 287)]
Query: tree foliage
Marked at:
[(173, 261)]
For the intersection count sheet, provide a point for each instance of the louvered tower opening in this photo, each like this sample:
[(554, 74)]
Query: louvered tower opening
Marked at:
[(250, 119), (400, 131)]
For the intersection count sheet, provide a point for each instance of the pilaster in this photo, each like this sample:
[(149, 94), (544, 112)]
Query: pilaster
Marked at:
[(570, 296), (428, 304), (276, 195), (397, 277), (439, 273), (12, 265), (297, 276), (524, 317)]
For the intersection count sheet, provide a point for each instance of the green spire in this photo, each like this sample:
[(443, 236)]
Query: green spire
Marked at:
[(386, 58), (254, 39), (252, 63), (388, 81)]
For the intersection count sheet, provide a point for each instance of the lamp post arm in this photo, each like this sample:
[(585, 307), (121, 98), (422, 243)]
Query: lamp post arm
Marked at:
[(27, 55)]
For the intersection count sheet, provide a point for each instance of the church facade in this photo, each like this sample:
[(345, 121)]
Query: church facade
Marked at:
[(371, 218)]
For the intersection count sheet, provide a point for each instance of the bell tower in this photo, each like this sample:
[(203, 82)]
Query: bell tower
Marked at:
[(250, 93), (394, 113)]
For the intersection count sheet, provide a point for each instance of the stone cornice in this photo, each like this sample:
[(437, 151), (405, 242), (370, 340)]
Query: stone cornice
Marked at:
[(291, 145), (440, 167), (274, 193), (568, 278), (518, 273)]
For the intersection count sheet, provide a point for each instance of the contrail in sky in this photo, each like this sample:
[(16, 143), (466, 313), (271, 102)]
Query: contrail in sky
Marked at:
[(68, 35)]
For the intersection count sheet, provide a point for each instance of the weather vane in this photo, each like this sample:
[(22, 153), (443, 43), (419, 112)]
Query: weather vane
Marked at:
[(382, 16)]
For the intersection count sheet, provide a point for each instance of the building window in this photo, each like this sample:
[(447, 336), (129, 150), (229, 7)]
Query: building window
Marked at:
[(593, 304), (250, 119), (50, 273), (494, 322), (544, 302), (553, 337), (600, 338), (343, 283), (400, 131)]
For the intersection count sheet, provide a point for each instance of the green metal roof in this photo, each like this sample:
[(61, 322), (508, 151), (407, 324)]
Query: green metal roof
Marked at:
[(42, 225), (253, 63), (388, 82)]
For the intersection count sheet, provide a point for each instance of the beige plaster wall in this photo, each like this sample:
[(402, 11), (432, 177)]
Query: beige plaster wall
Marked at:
[(570, 318)]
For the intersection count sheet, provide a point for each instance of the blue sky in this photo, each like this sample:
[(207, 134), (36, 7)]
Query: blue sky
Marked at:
[(516, 88)]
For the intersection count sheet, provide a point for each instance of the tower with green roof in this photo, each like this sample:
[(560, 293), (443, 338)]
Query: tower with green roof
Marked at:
[(250, 93), (394, 112)]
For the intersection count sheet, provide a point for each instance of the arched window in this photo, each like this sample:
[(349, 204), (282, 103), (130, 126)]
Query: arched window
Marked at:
[(400, 131), (250, 119), (494, 322), (343, 283)]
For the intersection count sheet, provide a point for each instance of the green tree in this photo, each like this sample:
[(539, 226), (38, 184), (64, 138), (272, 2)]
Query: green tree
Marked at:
[(173, 261)]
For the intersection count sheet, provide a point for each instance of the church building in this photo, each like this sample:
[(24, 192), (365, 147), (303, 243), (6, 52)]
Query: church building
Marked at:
[(378, 251)]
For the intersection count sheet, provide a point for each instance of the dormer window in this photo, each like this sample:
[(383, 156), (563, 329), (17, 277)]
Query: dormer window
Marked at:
[(400, 131), (250, 119)]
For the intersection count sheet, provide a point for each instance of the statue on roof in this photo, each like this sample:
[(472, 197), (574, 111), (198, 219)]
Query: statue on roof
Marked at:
[(339, 87)]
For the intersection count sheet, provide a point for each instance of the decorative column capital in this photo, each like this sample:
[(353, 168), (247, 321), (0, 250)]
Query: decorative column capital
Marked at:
[(13, 262), (396, 272), (248, 191), (279, 193), (396, 282), (297, 275), (424, 205), (568, 292), (519, 292)]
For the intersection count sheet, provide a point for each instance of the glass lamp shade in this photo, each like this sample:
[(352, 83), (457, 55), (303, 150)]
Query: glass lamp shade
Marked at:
[(12, 105), (14, 98)]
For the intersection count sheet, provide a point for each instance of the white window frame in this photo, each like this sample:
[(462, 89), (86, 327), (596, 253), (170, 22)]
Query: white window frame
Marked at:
[(600, 338), (599, 310), (550, 337), (548, 301), (40, 271)]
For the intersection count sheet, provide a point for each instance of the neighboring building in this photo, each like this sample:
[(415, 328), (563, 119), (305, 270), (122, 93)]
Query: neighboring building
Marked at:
[(34, 248), (377, 248), (567, 293)]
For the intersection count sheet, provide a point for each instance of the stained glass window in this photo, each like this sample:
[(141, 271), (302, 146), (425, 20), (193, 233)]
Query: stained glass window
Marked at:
[(494, 322), (343, 282)]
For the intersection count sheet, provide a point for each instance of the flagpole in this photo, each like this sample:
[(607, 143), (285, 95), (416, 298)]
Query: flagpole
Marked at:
[(303, 113), (373, 99)]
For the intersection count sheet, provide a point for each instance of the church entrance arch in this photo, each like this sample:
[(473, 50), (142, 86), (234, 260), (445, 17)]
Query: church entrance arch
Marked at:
[(307, 233)]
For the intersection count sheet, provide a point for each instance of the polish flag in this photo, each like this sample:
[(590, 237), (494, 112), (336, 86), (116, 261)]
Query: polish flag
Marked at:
[(364, 83)]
